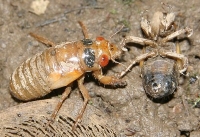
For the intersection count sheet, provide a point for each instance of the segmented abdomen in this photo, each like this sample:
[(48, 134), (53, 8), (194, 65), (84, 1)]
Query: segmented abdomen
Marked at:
[(29, 80)]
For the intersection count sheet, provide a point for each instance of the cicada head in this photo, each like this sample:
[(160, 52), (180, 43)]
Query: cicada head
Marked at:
[(106, 51)]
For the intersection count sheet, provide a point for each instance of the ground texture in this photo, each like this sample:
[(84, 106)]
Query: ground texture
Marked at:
[(111, 111)]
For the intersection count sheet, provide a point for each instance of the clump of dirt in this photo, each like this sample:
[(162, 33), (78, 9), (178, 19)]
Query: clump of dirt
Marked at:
[(120, 111)]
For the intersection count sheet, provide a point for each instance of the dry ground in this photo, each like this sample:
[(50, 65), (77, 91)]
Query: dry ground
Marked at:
[(119, 111)]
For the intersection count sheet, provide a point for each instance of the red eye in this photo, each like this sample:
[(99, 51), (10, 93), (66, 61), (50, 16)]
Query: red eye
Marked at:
[(103, 61), (99, 38)]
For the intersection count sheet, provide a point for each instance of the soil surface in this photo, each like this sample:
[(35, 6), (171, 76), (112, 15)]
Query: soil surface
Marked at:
[(119, 112)]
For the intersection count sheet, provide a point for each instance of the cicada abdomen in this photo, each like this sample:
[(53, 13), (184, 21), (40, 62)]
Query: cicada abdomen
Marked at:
[(29, 80)]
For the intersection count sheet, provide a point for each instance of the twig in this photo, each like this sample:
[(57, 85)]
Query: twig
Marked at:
[(85, 7), (63, 16), (50, 21)]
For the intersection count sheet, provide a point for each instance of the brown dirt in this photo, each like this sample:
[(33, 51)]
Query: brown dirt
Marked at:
[(124, 110)]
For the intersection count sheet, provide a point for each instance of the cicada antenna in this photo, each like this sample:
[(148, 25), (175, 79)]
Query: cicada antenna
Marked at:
[(121, 43), (122, 48), (117, 31), (118, 63)]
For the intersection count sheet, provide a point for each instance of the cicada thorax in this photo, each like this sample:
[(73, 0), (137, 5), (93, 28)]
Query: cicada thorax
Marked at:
[(160, 76), (97, 54)]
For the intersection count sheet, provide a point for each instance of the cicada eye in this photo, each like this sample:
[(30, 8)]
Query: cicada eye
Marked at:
[(99, 38), (103, 60)]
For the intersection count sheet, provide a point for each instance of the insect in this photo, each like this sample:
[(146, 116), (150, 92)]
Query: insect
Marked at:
[(62, 64), (161, 60)]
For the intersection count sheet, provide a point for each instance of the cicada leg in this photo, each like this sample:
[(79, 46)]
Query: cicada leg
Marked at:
[(62, 99), (137, 60), (86, 98), (42, 40), (179, 57)]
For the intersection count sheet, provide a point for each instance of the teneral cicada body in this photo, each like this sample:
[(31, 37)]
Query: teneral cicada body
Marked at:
[(62, 64)]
